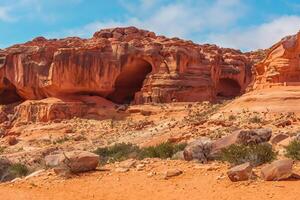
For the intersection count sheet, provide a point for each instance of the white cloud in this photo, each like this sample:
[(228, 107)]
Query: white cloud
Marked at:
[(258, 37), (4, 14), (180, 19)]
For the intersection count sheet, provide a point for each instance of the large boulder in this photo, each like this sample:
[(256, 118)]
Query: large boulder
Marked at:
[(277, 170), (240, 173), (254, 136), (198, 150), (74, 161), (245, 137)]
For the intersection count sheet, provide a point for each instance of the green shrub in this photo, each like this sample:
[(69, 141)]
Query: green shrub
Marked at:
[(255, 154), (164, 150), (2, 149), (256, 119), (18, 170), (117, 152), (232, 117), (293, 150), (123, 151)]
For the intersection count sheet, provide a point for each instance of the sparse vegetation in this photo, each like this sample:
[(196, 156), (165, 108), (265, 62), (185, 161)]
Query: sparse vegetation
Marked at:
[(61, 140), (293, 150), (117, 152), (255, 119), (2, 149), (123, 151), (255, 154), (232, 117), (18, 170), (164, 150)]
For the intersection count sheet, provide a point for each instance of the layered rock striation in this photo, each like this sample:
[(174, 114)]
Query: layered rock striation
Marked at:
[(281, 65), (123, 65)]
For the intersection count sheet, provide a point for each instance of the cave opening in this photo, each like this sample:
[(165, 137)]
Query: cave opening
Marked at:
[(130, 81), (9, 94), (228, 88)]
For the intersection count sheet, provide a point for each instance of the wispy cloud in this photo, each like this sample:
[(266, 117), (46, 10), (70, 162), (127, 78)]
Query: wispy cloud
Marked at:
[(260, 36), (37, 10), (4, 14), (181, 19)]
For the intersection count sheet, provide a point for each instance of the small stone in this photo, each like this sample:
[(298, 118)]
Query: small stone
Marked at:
[(150, 174), (240, 173), (171, 173), (12, 140), (127, 163), (140, 167)]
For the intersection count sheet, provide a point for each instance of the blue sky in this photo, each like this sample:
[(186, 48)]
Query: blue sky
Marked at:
[(243, 24)]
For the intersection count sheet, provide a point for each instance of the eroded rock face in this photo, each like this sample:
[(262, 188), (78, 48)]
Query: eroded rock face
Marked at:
[(281, 65), (123, 65)]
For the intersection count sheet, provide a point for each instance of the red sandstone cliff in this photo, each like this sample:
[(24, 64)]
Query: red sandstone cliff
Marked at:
[(281, 65), (122, 64)]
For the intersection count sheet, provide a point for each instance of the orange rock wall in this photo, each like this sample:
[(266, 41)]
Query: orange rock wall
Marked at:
[(281, 65), (181, 70)]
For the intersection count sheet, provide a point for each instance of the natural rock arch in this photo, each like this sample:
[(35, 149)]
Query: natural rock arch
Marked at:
[(228, 88), (130, 80), (9, 94)]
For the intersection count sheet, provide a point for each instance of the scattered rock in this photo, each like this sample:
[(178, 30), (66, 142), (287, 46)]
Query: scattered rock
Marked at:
[(198, 150), (74, 161), (283, 123), (12, 140), (241, 172), (150, 174), (171, 173), (127, 163), (278, 138), (178, 156), (140, 167), (277, 170)]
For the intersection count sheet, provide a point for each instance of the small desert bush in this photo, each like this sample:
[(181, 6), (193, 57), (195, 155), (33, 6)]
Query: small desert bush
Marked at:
[(293, 150), (232, 117), (123, 151), (18, 170), (255, 154), (117, 152), (164, 150), (2, 149), (255, 119)]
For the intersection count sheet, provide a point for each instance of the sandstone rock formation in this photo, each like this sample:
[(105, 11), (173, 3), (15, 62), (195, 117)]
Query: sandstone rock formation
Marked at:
[(281, 65), (123, 65)]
